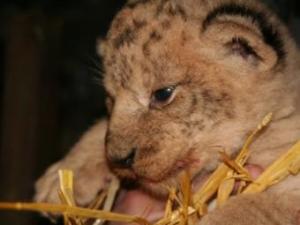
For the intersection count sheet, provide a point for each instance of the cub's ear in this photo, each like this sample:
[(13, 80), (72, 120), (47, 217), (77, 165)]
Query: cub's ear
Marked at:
[(240, 36)]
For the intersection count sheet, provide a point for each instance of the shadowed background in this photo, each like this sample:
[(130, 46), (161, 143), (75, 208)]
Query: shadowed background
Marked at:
[(50, 85)]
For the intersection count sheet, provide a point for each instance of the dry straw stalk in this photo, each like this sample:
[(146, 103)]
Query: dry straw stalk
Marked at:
[(190, 207)]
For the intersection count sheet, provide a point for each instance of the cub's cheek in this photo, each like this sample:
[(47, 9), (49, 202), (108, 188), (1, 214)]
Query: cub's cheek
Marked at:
[(154, 169)]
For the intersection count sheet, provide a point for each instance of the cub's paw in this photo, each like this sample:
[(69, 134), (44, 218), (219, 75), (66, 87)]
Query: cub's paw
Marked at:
[(258, 209), (89, 179)]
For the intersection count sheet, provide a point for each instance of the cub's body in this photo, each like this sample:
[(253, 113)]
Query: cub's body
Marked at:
[(186, 79)]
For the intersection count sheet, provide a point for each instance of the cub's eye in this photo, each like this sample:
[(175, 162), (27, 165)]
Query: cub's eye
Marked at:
[(162, 96)]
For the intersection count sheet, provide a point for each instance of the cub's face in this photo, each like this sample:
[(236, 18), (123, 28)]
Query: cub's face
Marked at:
[(184, 84)]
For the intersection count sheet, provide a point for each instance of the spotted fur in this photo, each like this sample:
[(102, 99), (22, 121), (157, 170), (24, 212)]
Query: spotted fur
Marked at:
[(231, 63)]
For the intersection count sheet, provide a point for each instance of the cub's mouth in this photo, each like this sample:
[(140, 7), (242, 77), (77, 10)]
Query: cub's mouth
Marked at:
[(169, 176), (140, 203)]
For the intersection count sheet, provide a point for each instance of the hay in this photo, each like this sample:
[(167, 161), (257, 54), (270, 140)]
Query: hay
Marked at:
[(190, 207)]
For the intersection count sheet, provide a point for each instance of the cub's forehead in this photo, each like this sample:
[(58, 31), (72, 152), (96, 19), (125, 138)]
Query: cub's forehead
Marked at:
[(141, 47), (150, 17)]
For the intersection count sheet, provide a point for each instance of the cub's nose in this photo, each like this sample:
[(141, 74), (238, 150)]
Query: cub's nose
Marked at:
[(124, 162)]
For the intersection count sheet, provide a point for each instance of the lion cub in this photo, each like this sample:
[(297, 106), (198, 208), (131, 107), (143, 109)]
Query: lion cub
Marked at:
[(185, 79)]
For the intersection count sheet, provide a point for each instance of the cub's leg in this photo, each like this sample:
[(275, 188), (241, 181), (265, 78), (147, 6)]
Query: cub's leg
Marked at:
[(256, 209), (87, 160)]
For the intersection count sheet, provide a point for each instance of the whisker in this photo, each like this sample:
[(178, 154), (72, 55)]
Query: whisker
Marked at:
[(94, 66)]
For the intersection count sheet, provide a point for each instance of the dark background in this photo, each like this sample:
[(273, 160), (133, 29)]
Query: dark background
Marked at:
[(50, 85)]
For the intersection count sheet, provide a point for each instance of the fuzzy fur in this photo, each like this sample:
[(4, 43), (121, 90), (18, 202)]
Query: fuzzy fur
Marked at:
[(232, 62)]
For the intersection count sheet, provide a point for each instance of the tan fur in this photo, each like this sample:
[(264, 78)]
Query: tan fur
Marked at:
[(87, 161), (222, 92)]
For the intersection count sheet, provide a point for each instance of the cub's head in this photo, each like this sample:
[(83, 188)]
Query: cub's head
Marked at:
[(187, 78)]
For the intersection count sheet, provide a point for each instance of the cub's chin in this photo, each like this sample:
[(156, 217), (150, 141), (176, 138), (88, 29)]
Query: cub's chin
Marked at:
[(161, 189)]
